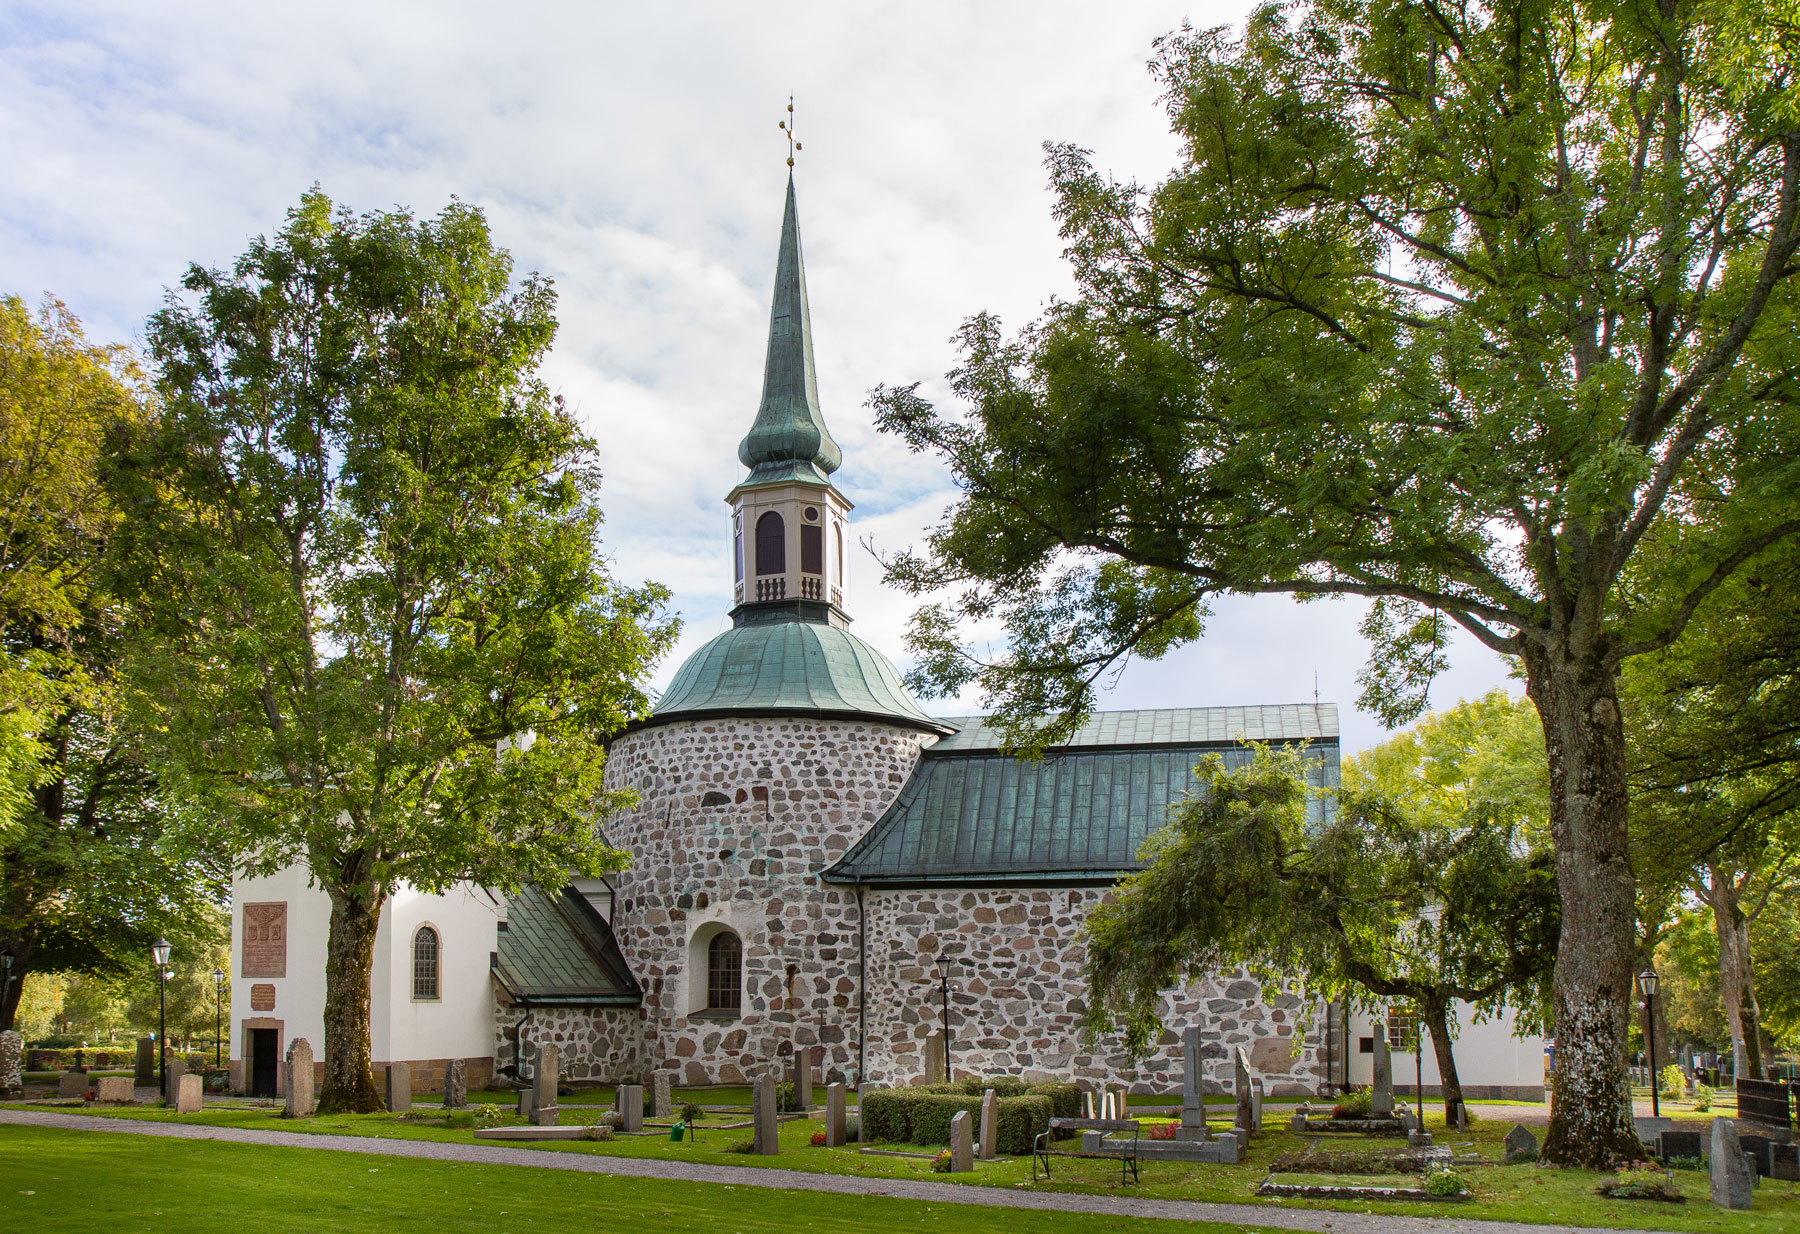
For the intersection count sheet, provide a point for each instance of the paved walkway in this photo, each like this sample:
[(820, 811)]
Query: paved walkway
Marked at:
[(795, 1180)]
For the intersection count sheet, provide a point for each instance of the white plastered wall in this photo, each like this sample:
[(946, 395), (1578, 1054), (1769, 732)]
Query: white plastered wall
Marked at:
[(1490, 1060)]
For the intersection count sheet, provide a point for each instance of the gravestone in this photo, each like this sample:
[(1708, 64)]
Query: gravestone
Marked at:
[(1731, 1176), (1246, 1112), (527, 1101), (114, 1090), (804, 1067), (1234, 1145), (1521, 1145), (299, 1064), (399, 1087), (1382, 1104), (1417, 1139), (934, 1059), (1193, 1097), (766, 1127), (1649, 1128), (1256, 1104), (1757, 1147), (1678, 1143), (456, 1085), (990, 1124), (187, 1094), (1784, 1162), (962, 1151), (662, 1095), (544, 1112), (175, 1067), (834, 1116), (631, 1107), (1462, 1116), (145, 1075), (72, 1084)]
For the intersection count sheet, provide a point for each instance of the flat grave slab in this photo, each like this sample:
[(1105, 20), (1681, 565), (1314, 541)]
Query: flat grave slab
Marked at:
[(532, 1133)]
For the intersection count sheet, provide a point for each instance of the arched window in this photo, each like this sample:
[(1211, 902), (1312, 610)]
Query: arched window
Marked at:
[(425, 963), (838, 528), (737, 546), (771, 544), (724, 972)]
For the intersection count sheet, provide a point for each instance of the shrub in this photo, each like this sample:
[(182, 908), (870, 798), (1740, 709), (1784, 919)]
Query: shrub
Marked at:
[(1684, 1163), (691, 1113), (600, 1131), (917, 1116), (743, 1146), (1003, 1086), (818, 1139), (1443, 1180), (1357, 1103), (941, 1163), (1161, 1131), (1703, 1098), (1641, 1181), (1672, 1082), (610, 1118), (1065, 1099), (787, 1101)]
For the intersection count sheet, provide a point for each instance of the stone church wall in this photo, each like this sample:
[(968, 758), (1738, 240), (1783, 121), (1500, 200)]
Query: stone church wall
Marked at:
[(603, 1045), (736, 819), (1017, 959)]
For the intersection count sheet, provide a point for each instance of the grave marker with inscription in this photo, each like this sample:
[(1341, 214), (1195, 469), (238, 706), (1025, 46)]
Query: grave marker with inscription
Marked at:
[(834, 1116), (990, 1123), (456, 1085), (298, 1102), (766, 1127), (962, 1151), (1193, 1096), (546, 1113), (187, 1094)]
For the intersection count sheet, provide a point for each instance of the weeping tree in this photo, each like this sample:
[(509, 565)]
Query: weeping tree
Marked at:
[(1445, 306), (390, 648), (1364, 898)]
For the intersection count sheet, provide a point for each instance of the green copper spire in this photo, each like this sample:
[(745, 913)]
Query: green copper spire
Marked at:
[(789, 440)]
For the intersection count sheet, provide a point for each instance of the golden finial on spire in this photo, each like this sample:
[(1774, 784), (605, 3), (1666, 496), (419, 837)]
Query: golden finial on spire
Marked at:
[(787, 126)]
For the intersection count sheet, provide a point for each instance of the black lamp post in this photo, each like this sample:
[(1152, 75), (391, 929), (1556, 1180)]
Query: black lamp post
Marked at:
[(218, 1015), (1647, 983), (943, 975), (159, 951)]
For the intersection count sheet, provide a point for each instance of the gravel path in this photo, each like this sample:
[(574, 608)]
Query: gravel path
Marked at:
[(796, 1180)]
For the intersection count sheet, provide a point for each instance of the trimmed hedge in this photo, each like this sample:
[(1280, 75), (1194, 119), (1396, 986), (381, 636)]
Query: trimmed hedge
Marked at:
[(61, 1059), (918, 1116), (1065, 1099)]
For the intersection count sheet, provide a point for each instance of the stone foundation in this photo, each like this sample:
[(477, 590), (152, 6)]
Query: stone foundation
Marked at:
[(603, 1045)]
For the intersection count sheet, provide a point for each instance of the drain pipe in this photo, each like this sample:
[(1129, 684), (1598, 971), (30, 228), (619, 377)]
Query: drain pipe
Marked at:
[(862, 992)]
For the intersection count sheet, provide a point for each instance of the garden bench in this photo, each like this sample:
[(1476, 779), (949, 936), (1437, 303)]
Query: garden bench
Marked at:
[(1125, 1150)]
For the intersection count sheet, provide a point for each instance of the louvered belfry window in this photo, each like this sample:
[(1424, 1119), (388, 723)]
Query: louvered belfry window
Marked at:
[(724, 972), (425, 963), (771, 544)]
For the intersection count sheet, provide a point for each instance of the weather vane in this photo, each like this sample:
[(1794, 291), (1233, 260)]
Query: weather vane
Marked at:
[(787, 126)]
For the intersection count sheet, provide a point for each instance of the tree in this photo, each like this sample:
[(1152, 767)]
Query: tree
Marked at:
[(88, 873), (1379, 898), (391, 647), (1446, 306)]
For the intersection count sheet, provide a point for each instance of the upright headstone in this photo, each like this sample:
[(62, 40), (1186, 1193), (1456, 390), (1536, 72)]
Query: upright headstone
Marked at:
[(456, 1085), (1193, 1096), (662, 1094), (934, 1059), (543, 1084), (631, 1107), (114, 1090), (1784, 1162), (1521, 1145), (1256, 1104), (72, 1084), (766, 1127), (1234, 1144), (862, 1124), (834, 1116), (187, 1094), (175, 1068), (399, 1087), (962, 1150), (527, 1101), (990, 1124), (1731, 1177), (1246, 1110), (299, 1064), (1678, 1144), (803, 1077), (145, 1075), (1382, 1105)]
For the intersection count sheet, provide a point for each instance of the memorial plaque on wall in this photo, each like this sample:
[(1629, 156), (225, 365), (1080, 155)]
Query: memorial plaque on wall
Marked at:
[(262, 998), (265, 940)]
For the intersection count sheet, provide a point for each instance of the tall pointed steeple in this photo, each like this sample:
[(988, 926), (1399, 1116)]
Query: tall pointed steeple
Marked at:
[(789, 440)]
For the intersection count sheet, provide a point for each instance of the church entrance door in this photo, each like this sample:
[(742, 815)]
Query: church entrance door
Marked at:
[(263, 1061)]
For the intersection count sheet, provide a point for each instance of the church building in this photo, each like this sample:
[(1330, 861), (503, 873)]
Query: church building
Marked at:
[(816, 863)]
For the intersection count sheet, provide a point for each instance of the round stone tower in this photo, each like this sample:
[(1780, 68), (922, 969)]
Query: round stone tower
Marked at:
[(775, 747)]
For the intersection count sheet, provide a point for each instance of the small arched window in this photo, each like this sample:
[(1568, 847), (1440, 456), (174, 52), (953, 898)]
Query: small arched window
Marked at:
[(838, 528), (425, 963), (771, 544), (737, 546), (724, 972)]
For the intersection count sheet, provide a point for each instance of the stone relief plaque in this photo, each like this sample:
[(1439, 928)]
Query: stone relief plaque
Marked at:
[(265, 940), (262, 998)]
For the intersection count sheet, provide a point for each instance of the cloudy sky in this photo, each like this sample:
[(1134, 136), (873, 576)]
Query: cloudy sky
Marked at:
[(630, 152)]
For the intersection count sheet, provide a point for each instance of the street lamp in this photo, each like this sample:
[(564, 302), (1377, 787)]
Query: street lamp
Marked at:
[(1647, 983), (159, 951), (943, 976), (218, 1015)]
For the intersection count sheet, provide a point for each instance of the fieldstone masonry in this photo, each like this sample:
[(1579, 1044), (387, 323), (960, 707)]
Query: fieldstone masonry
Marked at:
[(600, 1044)]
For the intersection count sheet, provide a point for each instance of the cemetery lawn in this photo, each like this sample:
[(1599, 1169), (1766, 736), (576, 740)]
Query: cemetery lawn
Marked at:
[(1511, 1193), (68, 1182)]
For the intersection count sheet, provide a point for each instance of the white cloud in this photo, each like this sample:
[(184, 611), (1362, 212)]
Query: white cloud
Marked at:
[(630, 152)]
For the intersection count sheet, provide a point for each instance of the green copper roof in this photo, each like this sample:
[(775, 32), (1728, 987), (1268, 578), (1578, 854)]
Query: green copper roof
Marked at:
[(557, 950), (789, 440), (797, 668), (971, 815)]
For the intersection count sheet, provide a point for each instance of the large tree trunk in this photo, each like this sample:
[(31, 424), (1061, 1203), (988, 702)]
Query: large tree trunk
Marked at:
[(20, 947), (349, 1086), (1737, 979), (1436, 1015), (1584, 737)]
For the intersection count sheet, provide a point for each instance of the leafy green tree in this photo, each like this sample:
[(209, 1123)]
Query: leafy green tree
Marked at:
[(1448, 306), (392, 647), (88, 873), (1382, 898)]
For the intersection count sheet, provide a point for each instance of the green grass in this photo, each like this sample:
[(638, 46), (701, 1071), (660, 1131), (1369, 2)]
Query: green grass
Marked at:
[(1517, 1193), (52, 1182)]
